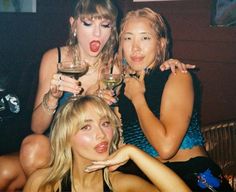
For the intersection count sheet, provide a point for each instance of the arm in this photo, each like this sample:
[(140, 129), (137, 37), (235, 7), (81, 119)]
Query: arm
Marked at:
[(40, 118), (163, 178), (34, 181), (165, 134), (48, 81)]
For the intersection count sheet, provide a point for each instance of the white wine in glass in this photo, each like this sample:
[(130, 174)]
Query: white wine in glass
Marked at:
[(74, 69), (112, 80)]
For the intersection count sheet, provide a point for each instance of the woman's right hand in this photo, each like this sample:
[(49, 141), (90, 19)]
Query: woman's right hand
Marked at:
[(107, 95), (61, 83)]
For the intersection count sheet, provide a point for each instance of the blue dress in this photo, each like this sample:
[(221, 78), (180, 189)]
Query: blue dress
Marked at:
[(191, 170)]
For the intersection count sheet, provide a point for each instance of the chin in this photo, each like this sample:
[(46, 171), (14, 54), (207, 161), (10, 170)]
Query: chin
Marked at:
[(101, 156), (95, 54)]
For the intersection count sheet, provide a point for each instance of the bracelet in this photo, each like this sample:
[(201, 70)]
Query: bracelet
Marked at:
[(49, 109)]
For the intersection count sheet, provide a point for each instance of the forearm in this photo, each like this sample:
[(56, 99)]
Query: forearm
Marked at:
[(43, 114), (160, 175), (152, 127)]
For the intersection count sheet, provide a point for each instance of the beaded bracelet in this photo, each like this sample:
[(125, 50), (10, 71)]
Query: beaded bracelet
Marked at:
[(49, 109)]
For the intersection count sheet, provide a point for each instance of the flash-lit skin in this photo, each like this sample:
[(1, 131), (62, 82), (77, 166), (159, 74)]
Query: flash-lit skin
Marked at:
[(88, 31), (93, 139), (139, 44)]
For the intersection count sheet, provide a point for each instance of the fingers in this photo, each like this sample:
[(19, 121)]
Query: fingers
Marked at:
[(54, 86), (97, 165), (111, 164), (93, 167), (173, 64), (107, 95), (60, 83), (190, 66)]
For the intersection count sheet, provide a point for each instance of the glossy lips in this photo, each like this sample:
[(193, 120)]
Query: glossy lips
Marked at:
[(101, 147), (94, 46)]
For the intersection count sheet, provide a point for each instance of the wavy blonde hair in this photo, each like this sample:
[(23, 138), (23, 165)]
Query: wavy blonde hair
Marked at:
[(68, 120), (157, 23), (97, 9)]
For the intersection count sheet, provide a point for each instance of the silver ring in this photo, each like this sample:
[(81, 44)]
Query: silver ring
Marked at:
[(100, 93)]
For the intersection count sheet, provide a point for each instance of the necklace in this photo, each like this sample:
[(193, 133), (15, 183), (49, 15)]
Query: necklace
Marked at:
[(95, 65)]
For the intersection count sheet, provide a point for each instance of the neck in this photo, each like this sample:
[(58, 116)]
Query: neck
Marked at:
[(92, 61), (80, 176), (83, 181)]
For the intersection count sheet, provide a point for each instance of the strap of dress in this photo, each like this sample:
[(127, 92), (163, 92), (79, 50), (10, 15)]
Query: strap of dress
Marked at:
[(59, 54)]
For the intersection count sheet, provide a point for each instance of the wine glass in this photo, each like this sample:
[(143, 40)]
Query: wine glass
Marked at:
[(74, 69), (111, 79)]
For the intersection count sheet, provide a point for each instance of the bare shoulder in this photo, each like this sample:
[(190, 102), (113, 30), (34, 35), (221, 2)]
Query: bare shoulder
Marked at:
[(179, 80), (49, 57), (35, 179), (132, 183), (48, 65)]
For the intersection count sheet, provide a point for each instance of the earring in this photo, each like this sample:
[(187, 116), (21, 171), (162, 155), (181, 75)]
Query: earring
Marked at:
[(124, 62), (74, 34)]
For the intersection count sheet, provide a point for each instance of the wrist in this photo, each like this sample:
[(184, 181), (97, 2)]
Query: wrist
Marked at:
[(138, 100), (49, 103), (132, 151)]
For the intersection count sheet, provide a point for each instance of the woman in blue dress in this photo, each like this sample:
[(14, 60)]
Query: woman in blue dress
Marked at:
[(160, 110)]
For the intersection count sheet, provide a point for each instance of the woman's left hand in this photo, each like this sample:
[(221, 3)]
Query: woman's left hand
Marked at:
[(115, 160), (173, 64)]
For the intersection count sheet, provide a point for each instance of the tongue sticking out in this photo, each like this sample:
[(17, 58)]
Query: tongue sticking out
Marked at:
[(94, 46)]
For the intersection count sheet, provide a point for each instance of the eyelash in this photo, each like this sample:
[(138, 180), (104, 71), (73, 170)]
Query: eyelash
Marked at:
[(107, 123), (85, 127), (146, 38), (107, 26), (87, 24), (143, 38)]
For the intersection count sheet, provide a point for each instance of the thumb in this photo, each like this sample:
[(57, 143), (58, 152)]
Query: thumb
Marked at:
[(142, 75)]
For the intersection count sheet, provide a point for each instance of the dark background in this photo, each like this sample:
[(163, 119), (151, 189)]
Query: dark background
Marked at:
[(24, 37)]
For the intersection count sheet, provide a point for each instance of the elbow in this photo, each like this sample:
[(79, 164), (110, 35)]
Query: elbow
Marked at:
[(166, 152), (36, 129)]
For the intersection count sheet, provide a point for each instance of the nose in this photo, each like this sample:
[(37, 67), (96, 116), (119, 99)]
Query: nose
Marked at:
[(100, 134), (136, 45), (97, 31)]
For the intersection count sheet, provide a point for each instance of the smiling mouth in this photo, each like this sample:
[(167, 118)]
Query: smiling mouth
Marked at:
[(94, 45)]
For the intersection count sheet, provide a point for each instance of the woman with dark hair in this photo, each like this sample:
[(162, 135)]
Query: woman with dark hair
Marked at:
[(160, 110)]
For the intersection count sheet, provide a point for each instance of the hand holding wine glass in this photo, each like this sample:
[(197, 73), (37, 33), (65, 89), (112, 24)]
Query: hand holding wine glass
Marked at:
[(73, 69), (111, 79)]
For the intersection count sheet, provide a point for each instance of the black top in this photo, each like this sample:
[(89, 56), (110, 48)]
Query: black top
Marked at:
[(66, 185)]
